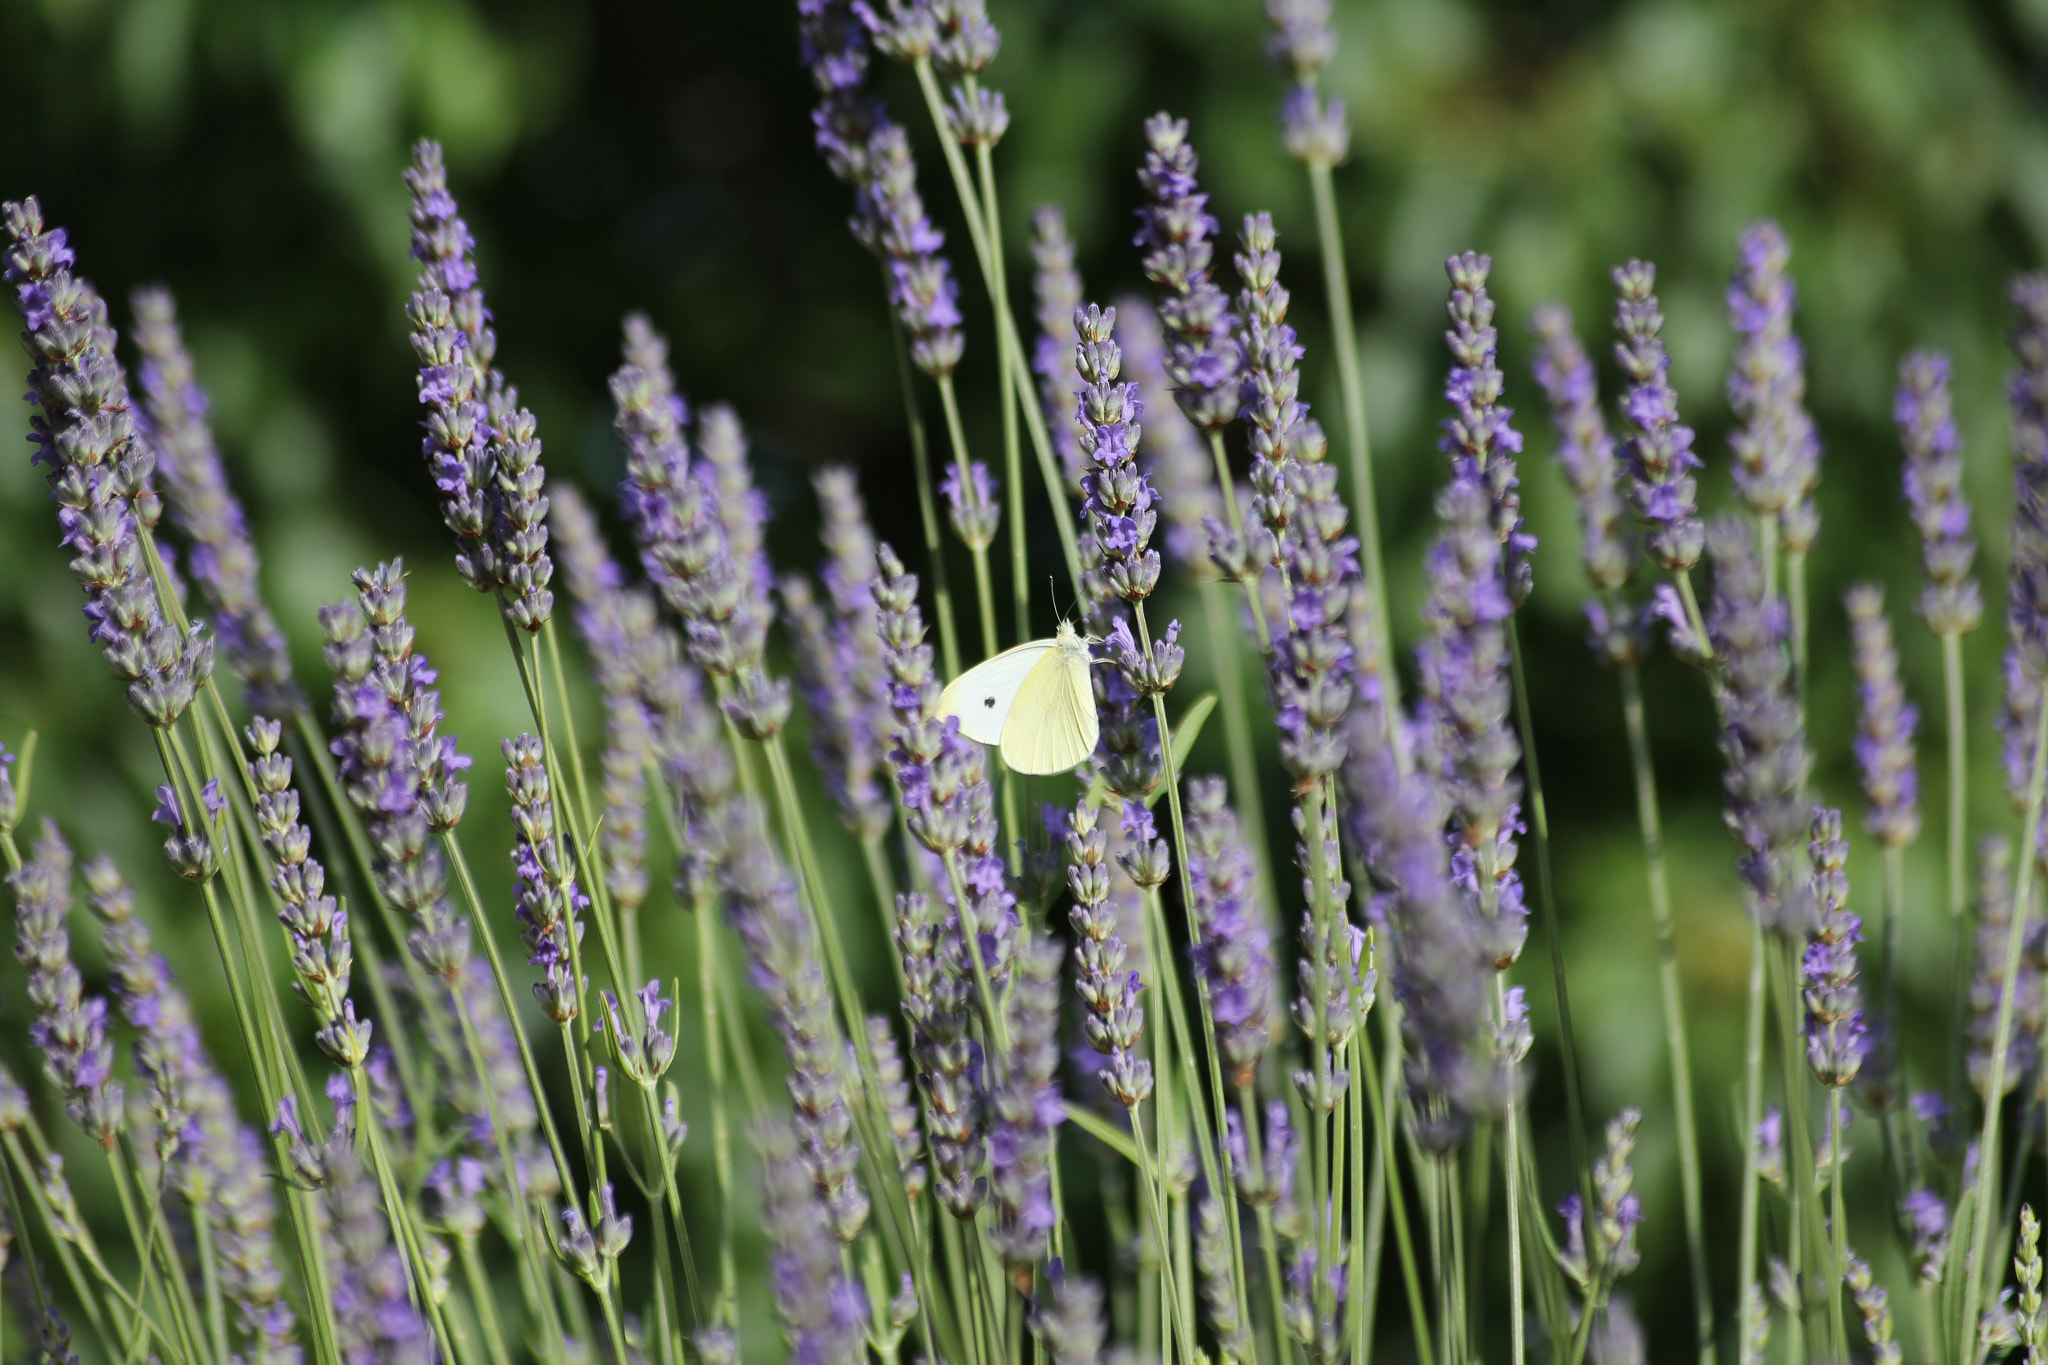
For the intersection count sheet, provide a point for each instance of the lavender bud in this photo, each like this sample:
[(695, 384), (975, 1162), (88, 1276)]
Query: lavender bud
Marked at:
[(70, 1028), (1659, 454), (1056, 289), (1877, 1313), (1777, 451), (1933, 476), (1174, 237), (1072, 1325), (1584, 448), (823, 1313), (1885, 722)]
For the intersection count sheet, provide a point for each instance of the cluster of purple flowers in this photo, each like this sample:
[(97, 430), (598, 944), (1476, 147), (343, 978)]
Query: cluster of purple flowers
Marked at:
[(2026, 610), (1025, 1109), (223, 557), (1658, 454), (1836, 1035), (1175, 456), (1763, 736), (1479, 436), (1312, 128), (678, 521), (1056, 287), (99, 471), (1989, 982), (1178, 255), (481, 445), (547, 901), (1114, 1022), (823, 1312), (1951, 603), (1885, 722), (1233, 949), (70, 1028), (1777, 450)]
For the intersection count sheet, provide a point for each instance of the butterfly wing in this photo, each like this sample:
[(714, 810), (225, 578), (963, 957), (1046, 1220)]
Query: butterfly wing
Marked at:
[(984, 696), (1052, 725)]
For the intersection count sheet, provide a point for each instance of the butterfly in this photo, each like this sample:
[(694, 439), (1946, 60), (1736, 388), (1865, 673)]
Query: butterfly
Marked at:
[(1035, 700)]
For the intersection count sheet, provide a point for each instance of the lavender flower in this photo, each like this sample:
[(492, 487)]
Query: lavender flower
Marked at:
[(1442, 964), (889, 220), (899, 1108), (1988, 981), (1777, 451), (1314, 1309), (1876, 1312), (784, 961), (223, 558), (1056, 287), (547, 899), (1314, 131), (1587, 453), (1175, 456), (1478, 435), (395, 766), (971, 507), (1658, 455), (1115, 1021), (1836, 1037), (1233, 951), (839, 659), (1595, 1262), (684, 544), (1224, 1306), (629, 749), (1763, 737), (591, 1246), (1025, 1109), (318, 930), (1466, 699), (1950, 603), (1927, 1224), (943, 780), (374, 1311), (1885, 722), (481, 445), (218, 1162), (2026, 611), (1072, 1325), (192, 849), (937, 1002), (99, 471), (70, 1027), (1174, 237), (823, 1313)]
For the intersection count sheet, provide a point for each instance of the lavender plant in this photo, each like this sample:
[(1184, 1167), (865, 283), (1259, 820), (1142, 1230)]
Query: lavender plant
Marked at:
[(1134, 1013)]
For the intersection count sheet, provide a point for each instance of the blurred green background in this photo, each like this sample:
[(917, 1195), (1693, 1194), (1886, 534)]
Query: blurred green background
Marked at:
[(613, 155)]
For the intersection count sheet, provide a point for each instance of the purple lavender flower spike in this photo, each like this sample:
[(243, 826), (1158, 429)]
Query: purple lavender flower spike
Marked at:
[(70, 1027), (1885, 722), (1777, 450), (1950, 603), (191, 848), (10, 796), (742, 509), (784, 960), (889, 219), (629, 747), (1056, 289), (548, 903), (1175, 456), (680, 528), (1465, 697), (223, 558), (2026, 610), (938, 1004), (316, 928), (1836, 1035), (1479, 433), (971, 507), (899, 1108), (1025, 1109), (1313, 130), (1115, 1022), (98, 469), (1763, 737), (1174, 235), (1071, 1324), (1988, 980), (1223, 1306), (216, 1161), (823, 1313), (1234, 952), (1658, 454), (375, 1315), (481, 445)]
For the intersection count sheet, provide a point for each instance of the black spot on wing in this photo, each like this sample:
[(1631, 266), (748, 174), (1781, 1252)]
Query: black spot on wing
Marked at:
[(989, 702)]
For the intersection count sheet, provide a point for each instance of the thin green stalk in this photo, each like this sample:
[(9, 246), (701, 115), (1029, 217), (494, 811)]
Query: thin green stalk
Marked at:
[(1397, 1204), (1546, 905), (1752, 1110), (1245, 787), (209, 1278), (480, 1294), (1153, 1179), (927, 508), (1807, 1223), (1013, 455), (1248, 1115), (1517, 1328), (1650, 821), (2023, 898), (1795, 591), (1358, 445), (1354, 1098), (1839, 1220), (68, 1257), (146, 1250), (1010, 349), (1958, 773)]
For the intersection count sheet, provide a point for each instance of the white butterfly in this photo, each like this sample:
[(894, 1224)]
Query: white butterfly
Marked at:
[(1035, 700)]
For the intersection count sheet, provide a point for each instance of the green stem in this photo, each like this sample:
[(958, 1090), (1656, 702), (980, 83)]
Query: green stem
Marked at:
[(480, 1294), (1752, 1111), (1358, 445), (1013, 455), (1517, 1328), (1650, 821), (1958, 773), (1237, 740), (2023, 898), (927, 509), (1397, 1203)]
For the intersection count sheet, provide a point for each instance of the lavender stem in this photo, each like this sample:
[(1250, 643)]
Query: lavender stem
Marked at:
[(1008, 394), (1994, 1098), (927, 509), (1649, 820), (1358, 444)]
